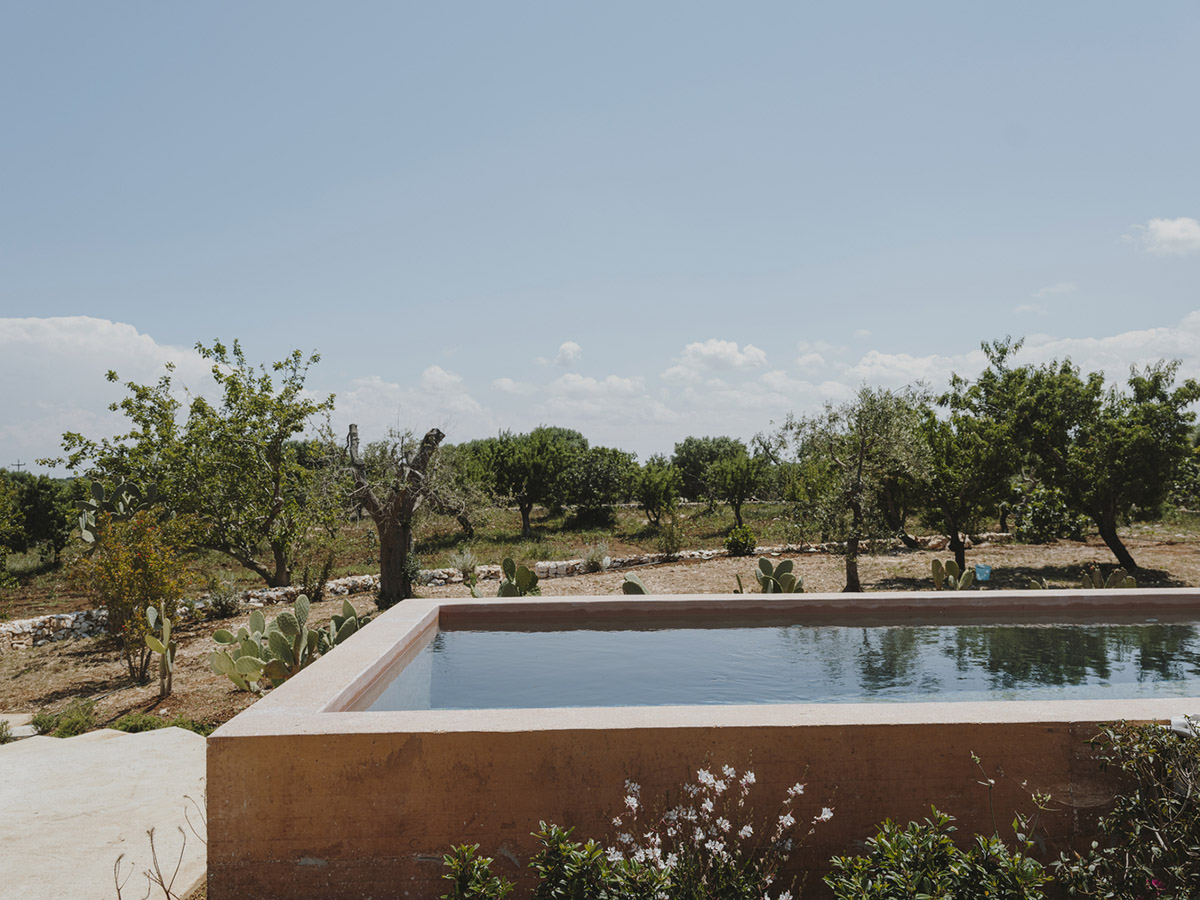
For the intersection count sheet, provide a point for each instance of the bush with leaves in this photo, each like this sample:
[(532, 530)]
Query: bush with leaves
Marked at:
[(669, 540), (1151, 837), (1042, 515), (706, 847), (922, 860), (656, 489), (740, 541), (134, 564)]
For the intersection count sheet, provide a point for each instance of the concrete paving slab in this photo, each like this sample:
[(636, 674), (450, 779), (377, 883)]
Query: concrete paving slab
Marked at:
[(19, 724), (72, 806)]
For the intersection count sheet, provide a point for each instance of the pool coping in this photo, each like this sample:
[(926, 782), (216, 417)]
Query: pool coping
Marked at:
[(319, 700)]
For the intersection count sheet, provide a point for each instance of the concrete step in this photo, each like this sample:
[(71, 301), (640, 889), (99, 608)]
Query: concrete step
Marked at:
[(72, 806)]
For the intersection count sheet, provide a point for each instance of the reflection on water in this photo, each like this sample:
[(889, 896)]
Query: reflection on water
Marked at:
[(797, 664)]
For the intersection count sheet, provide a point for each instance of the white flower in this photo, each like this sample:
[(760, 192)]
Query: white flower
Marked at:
[(617, 821), (698, 837), (632, 802), (786, 895), (723, 824), (715, 847), (704, 777), (748, 778), (729, 771), (720, 786), (825, 816), (672, 860), (625, 838), (787, 820), (796, 790), (746, 831), (614, 855), (633, 787), (707, 805)]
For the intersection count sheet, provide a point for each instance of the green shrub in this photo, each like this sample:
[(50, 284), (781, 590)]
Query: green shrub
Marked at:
[(6, 735), (669, 540), (471, 876), (44, 721), (137, 722), (224, 600), (1151, 838), (921, 860), (596, 558), (77, 717), (1042, 515), (741, 541), (133, 565)]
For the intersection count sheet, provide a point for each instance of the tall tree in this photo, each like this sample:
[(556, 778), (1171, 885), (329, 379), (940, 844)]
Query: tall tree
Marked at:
[(231, 467), (694, 455), (735, 479), (529, 468), (392, 481), (1109, 452), (968, 462), (857, 445)]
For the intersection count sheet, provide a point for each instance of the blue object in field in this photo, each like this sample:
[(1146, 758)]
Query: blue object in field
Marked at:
[(983, 573)]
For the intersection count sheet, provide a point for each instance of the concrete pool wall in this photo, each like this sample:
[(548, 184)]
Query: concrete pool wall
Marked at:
[(309, 798)]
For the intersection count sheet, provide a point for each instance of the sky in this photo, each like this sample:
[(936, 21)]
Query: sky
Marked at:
[(642, 221)]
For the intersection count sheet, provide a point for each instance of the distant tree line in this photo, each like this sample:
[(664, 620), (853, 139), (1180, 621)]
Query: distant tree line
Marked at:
[(1046, 447)]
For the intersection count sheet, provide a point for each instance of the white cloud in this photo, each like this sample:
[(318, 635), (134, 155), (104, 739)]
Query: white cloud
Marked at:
[(862, 333), (52, 370), (518, 388), (1168, 237), (578, 398), (713, 355), (439, 398), (1062, 287), (1031, 308), (568, 354), (898, 369), (811, 363)]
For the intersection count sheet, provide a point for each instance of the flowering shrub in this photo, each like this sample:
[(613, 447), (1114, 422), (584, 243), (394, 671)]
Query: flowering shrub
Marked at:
[(1151, 838), (133, 566), (707, 847)]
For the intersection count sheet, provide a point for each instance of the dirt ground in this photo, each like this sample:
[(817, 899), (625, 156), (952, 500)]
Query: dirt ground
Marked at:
[(49, 676)]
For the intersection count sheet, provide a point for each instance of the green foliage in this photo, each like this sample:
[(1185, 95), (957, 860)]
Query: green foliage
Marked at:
[(118, 504), (669, 540), (633, 585), (1108, 451), (518, 581), (740, 541), (596, 558), (963, 469), (6, 735), (694, 455), (1093, 579), (274, 652), (948, 576), (133, 565), (471, 877), (922, 860), (1151, 838), (736, 479), (530, 468), (594, 480), (778, 579), (158, 640), (44, 721), (656, 488), (224, 599), (77, 717), (853, 450), (1041, 515), (137, 722), (233, 469)]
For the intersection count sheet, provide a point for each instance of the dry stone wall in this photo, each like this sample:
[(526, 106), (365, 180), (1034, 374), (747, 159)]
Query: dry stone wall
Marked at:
[(25, 633)]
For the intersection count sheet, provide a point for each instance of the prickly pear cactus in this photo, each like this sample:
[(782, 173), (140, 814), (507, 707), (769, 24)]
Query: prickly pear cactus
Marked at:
[(633, 585), (518, 581), (948, 577), (778, 579), (276, 651), (1093, 580)]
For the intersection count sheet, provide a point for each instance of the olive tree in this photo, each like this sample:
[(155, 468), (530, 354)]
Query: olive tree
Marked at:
[(856, 446)]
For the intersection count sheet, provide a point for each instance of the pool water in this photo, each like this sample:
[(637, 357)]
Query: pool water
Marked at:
[(790, 663)]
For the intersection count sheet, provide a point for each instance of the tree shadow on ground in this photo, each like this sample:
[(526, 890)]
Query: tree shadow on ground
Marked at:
[(1020, 577)]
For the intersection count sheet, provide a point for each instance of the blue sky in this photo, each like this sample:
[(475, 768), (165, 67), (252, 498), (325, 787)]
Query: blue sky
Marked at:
[(640, 220)]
